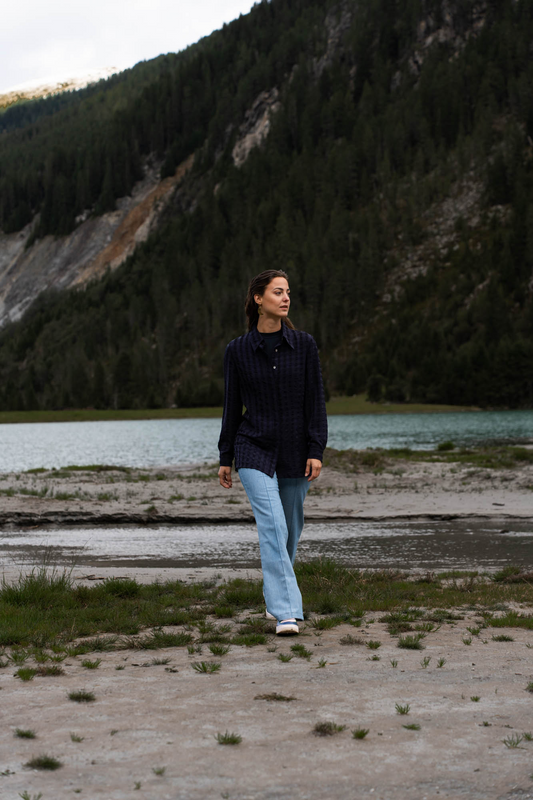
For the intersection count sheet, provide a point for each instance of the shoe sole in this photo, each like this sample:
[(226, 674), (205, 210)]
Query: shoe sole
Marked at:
[(287, 630), (268, 615)]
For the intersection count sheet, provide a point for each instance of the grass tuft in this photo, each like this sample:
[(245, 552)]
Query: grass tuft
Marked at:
[(88, 664), (26, 673), (207, 667), (327, 728), (411, 642), (228, 738), (325, 623), (301, 651), (414, 726), (43, 762), (513, 741), (360, 733), (25, 734), (81, 696), (275, 696), (402, 709), (351, 640), (50, 670), (219, 649)]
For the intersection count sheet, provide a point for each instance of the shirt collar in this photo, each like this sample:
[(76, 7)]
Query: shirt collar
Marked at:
[(257, 340)]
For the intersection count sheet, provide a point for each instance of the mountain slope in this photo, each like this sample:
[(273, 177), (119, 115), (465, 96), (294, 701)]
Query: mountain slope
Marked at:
[(379, 152)]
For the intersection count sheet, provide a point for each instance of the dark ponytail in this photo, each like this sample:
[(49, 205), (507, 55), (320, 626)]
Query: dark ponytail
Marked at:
[(258, 286)]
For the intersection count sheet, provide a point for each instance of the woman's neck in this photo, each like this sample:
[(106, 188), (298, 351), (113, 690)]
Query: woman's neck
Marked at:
[(268, 324)]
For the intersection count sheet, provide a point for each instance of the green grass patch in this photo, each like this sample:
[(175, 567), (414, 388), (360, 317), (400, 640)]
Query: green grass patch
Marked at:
[(484, 457), (301, 651), (275, 696), (249, 639), (411, 642), (228, 738), (44, 762), (26, 673), (25, 734), (81, 696), (46, 611), (207, 667), (512, 619), (49, 670), (159, 639), (328, 729)]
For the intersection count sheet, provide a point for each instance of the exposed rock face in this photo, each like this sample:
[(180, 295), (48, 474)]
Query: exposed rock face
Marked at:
[(337, 23), (453, 27), (96, 245), (256, 125)]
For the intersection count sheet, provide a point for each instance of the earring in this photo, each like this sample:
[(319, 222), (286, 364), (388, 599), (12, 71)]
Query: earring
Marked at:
[(260, 310)]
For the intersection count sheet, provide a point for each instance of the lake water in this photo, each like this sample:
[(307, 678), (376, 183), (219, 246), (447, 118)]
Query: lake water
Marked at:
[(158, 443), (426, 545)]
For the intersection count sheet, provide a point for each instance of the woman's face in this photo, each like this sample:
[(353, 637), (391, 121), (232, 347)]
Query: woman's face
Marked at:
[(276, 299)]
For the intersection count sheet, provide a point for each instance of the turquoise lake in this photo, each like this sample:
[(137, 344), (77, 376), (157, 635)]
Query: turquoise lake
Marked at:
[(159, 443)]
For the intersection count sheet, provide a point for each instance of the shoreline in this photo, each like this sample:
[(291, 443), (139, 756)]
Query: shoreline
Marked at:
[(366, 486), (56, 520), (357, 404)]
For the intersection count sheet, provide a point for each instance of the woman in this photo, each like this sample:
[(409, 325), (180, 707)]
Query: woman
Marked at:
[(278, 442)]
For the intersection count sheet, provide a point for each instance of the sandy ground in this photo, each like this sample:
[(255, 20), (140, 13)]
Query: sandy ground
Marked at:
[(402, 489), (148, 716)]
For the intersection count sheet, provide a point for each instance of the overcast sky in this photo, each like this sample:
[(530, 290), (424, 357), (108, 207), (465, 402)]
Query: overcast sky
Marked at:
[(58, 39)]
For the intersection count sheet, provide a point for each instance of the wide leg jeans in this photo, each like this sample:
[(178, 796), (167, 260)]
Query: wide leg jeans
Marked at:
[(277, 504)]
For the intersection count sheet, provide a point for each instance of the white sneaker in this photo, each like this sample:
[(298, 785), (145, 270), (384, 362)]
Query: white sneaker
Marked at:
[(287, 627)]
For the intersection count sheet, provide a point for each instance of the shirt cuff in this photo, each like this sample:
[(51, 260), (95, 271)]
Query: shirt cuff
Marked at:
[(226, 461), (316, 452)]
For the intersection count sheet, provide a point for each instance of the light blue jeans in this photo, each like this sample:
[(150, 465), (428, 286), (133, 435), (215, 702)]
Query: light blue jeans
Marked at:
[(278, 506)]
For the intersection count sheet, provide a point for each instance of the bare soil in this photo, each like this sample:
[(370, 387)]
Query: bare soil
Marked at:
[(150, 716)]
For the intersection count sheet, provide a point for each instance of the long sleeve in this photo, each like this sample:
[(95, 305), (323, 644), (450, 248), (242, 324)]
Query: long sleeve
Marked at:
[(315, 405), (232, 415)]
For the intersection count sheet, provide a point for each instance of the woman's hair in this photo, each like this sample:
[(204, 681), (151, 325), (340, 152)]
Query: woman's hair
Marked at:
[(258, 286)]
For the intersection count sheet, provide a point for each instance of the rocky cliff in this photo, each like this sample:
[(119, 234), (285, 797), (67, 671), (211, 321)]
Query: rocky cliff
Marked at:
[(97, 244)]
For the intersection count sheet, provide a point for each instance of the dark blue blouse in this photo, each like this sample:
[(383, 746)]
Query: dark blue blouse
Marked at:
[(285, 420)]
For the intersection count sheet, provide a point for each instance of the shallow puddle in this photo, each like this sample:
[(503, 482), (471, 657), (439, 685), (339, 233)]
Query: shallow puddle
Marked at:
[(433, 545)]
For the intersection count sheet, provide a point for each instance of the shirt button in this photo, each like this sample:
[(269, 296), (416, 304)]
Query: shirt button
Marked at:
[(276, 350), (273, 367)]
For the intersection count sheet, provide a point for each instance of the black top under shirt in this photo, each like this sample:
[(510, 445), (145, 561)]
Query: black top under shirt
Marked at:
[(272, 340)]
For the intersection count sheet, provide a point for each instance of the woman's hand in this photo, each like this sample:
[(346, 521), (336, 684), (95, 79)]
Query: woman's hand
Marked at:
[(224, 476), (312, 468)]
